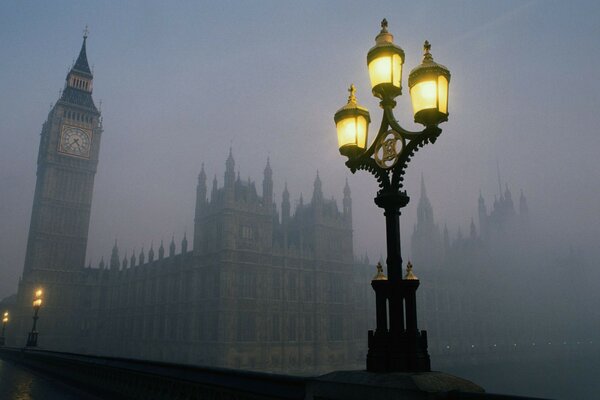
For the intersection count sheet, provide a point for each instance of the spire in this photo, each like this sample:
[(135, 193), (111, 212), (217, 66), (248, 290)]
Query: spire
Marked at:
[(213, 194), (499, 182), (229, 170), (132, 260), (161, 251), (184, 243), (101, 265), (268, 171), (79, 82), (202, 174), (507, 194), (318, 191), (114, 257), (124, 263), (473, 230), (81, 65), (142, 257), (286, 194), (268, 186), (523, 209), (347, 203), (172, 247), (285, 205), (424, 209), (151, 253), (201, 191)]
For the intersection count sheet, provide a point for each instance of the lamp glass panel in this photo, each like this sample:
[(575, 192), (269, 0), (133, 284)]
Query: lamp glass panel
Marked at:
[(443, 94), (397, 73), (362, 127), (380, 70), (424, 96), (346, 130)]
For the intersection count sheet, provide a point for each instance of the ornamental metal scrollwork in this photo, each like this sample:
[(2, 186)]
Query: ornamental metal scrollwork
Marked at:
[(388, 149)]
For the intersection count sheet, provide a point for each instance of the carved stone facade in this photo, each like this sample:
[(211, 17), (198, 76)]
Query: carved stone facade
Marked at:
[(260, 289)]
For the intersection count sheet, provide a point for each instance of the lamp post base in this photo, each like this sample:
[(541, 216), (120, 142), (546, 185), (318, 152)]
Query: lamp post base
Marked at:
[(402, 353), (398, 385), (32, 339)]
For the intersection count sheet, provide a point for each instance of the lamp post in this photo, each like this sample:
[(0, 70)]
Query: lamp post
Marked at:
[(399, 346), (4, 322), (37, 303)]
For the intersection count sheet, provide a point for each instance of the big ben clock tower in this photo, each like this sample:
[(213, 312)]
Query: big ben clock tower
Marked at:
[(67, 160), (66, 166)]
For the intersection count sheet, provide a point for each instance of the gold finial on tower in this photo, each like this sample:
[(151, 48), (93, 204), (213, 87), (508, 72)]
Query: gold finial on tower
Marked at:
[(410, 276), (380, 276)]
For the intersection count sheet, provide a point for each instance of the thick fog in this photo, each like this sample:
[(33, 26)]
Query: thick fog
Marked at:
[(179, 84)]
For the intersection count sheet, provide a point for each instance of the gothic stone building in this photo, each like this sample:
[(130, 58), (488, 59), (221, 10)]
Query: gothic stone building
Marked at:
[(259, 289)]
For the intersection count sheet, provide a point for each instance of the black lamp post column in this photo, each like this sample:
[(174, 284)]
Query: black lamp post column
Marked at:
[(403, 347), (33, 335)]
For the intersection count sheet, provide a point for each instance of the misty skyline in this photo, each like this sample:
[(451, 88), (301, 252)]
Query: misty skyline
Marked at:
[(180, 85)]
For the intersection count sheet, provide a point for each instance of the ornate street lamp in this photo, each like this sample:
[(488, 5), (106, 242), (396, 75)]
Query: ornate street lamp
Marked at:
[(37, 303), (401, 346), (4, 322)]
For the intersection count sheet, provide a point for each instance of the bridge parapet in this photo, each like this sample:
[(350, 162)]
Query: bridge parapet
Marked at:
[(118, 378)]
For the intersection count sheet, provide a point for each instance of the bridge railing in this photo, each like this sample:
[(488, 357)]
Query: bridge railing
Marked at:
[(119, 378)]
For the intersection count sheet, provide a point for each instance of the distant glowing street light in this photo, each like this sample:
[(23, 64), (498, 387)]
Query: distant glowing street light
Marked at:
[(402, 347), (37, 304), (4, 322)]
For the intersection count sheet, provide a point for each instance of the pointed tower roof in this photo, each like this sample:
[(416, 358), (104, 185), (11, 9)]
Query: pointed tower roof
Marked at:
[(318, 191), (82, 65), (423, 190), (230, 162), (172, 246), (347, 191), (202, 175), (473, 230), (268, 171), (285, 194)]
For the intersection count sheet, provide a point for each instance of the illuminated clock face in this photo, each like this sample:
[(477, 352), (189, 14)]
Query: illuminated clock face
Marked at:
[(75, 141)]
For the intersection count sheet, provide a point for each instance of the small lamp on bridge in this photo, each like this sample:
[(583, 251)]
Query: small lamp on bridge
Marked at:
[(37, 303), (37, 300), (4, 322)]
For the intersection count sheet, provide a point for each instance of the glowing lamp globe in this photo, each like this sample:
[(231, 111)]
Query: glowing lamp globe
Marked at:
[(428, 85), (385, 61), (352, 124)]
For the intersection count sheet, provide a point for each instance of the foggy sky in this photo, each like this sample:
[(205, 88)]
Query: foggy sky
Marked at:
[(182, 82)]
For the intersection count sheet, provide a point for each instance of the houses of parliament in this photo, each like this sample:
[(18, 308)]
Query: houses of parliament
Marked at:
[(257, 288)]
